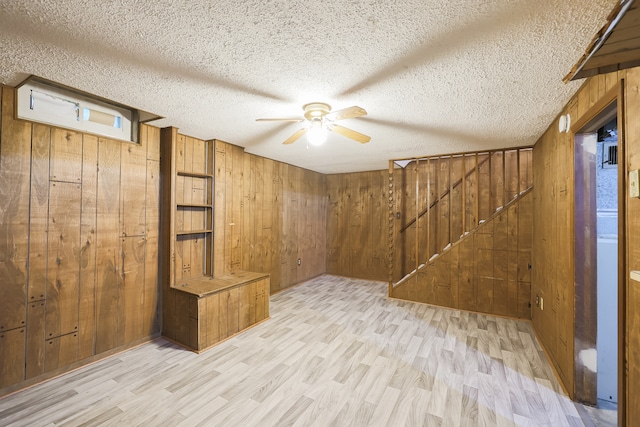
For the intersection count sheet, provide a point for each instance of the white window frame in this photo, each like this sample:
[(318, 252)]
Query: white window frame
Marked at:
[(605, 155), (45, 103)]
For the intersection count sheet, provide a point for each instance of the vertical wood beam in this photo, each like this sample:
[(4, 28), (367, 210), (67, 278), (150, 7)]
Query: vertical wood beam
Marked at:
[(168, 137), (450, 201), (390, 253), (477, 207), (428, 209), (518, 189), (436, 184), (417, 205), (219, 204), (623, 258), (463, 167), (491, 183), (504, 178)]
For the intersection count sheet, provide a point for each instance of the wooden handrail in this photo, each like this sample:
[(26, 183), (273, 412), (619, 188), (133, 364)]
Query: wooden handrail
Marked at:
[(444, 193)]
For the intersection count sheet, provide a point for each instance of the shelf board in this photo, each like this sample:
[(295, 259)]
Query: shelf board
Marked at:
[(193, 205), (195, 174), (184, 233)]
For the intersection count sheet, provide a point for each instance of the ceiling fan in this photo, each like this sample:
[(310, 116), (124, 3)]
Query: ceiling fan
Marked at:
[(319, 119)]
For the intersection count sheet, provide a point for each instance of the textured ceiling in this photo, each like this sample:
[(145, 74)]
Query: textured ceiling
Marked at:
[(436, 77)]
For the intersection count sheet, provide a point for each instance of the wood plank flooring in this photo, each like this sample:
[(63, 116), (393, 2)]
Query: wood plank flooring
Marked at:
[(336, 352)]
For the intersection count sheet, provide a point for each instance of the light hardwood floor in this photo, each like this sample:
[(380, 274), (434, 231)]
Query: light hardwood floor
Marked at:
[(336, 351)]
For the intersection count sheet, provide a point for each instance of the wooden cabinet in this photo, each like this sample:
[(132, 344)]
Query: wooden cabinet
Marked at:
[(199, 310), (213, 309)]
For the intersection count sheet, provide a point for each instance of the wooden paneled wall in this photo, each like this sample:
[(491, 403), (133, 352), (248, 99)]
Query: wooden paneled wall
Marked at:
[(554, 237), (553, 247), (357, 219), (632, 245), (79, 225), (552, 259), (267, 215)]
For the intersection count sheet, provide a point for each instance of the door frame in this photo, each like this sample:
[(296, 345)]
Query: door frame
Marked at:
[(614, 95)]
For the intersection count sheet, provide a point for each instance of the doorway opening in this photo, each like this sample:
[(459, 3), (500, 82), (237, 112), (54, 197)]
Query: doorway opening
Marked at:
[(607, 264), (596, 257)]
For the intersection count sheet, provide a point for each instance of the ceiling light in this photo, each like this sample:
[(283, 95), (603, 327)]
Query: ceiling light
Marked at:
[(317, 133)]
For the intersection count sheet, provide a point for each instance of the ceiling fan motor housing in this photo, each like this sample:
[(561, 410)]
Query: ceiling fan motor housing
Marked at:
[(316, 110)]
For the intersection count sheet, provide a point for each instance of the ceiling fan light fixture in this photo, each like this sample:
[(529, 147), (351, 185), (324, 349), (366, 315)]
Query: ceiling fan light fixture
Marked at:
[(319, 120), (317, 133)]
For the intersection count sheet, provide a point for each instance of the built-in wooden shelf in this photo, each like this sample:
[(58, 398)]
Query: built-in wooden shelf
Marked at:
[(193, 205), (184, 233), (187, 245), (198, 309), (195, 174)]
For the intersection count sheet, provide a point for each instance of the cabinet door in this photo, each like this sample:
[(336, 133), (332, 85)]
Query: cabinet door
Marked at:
[(229, 311), (195, 327), (233, 309), (262, 300), (224, 314), (247, 314), (210, 320), (266, 285), (195, 337)]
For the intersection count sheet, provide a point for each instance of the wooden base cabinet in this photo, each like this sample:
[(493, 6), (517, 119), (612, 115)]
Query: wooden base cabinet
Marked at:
[(209, 310), (198, 309)]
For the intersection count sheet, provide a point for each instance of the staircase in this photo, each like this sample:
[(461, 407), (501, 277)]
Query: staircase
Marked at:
[(460, 231)]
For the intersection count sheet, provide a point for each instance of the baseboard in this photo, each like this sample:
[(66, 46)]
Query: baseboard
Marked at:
[(48, 376)]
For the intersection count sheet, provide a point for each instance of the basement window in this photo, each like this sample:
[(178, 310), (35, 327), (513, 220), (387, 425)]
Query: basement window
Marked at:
[(46, 102), (609, 155), (608, 139)]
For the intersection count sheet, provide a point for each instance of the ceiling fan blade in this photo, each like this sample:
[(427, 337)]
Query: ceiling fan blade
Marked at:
[(349, 133), (346, 113), (280, 120), (295, 136)]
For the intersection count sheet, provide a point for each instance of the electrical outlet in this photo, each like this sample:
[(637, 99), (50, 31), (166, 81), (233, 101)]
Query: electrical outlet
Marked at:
[(537, 301), (299, 261)]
